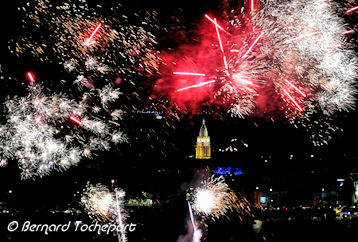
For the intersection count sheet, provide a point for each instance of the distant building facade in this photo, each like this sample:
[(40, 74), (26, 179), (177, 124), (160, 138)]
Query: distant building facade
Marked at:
[(203, 149)]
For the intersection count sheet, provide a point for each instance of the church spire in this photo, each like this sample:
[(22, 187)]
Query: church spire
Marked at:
[(203, 130), (203, 149)]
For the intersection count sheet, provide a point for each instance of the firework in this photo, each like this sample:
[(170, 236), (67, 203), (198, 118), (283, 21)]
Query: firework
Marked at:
[(99, 202), (91, 41), (102, 204), (30, 76), (196, 233), (293, 58), (46, 132), (100, 47), (119, 194), (196, 85), (320, 128), (351, 10), (277, 55), (312, 54), (105, 206), (214, 199)]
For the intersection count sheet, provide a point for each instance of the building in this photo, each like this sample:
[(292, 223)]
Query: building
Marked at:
[(203, 149)]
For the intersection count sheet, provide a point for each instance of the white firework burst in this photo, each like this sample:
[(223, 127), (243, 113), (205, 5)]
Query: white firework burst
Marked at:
[(215, 199), (108, 94), (69, 65), (91, 63), (52, 132), (105, 206), (305, 41)]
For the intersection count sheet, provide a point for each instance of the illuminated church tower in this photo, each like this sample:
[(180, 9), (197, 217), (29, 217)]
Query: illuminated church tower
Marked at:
[(203, 150)]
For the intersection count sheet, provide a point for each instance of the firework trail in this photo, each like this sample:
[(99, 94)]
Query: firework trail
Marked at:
[(214, 199), (46, 132), (122, 234), (193, 234), (196, 233)]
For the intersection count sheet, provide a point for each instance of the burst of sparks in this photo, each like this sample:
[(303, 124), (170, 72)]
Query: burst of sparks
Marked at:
[(237, 77), (300, 37), (205, 200), (39, 135), (108, 94), (121, 47), (104, 205), (91, 63), (311, 58), (69, 65), (215, 199)]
